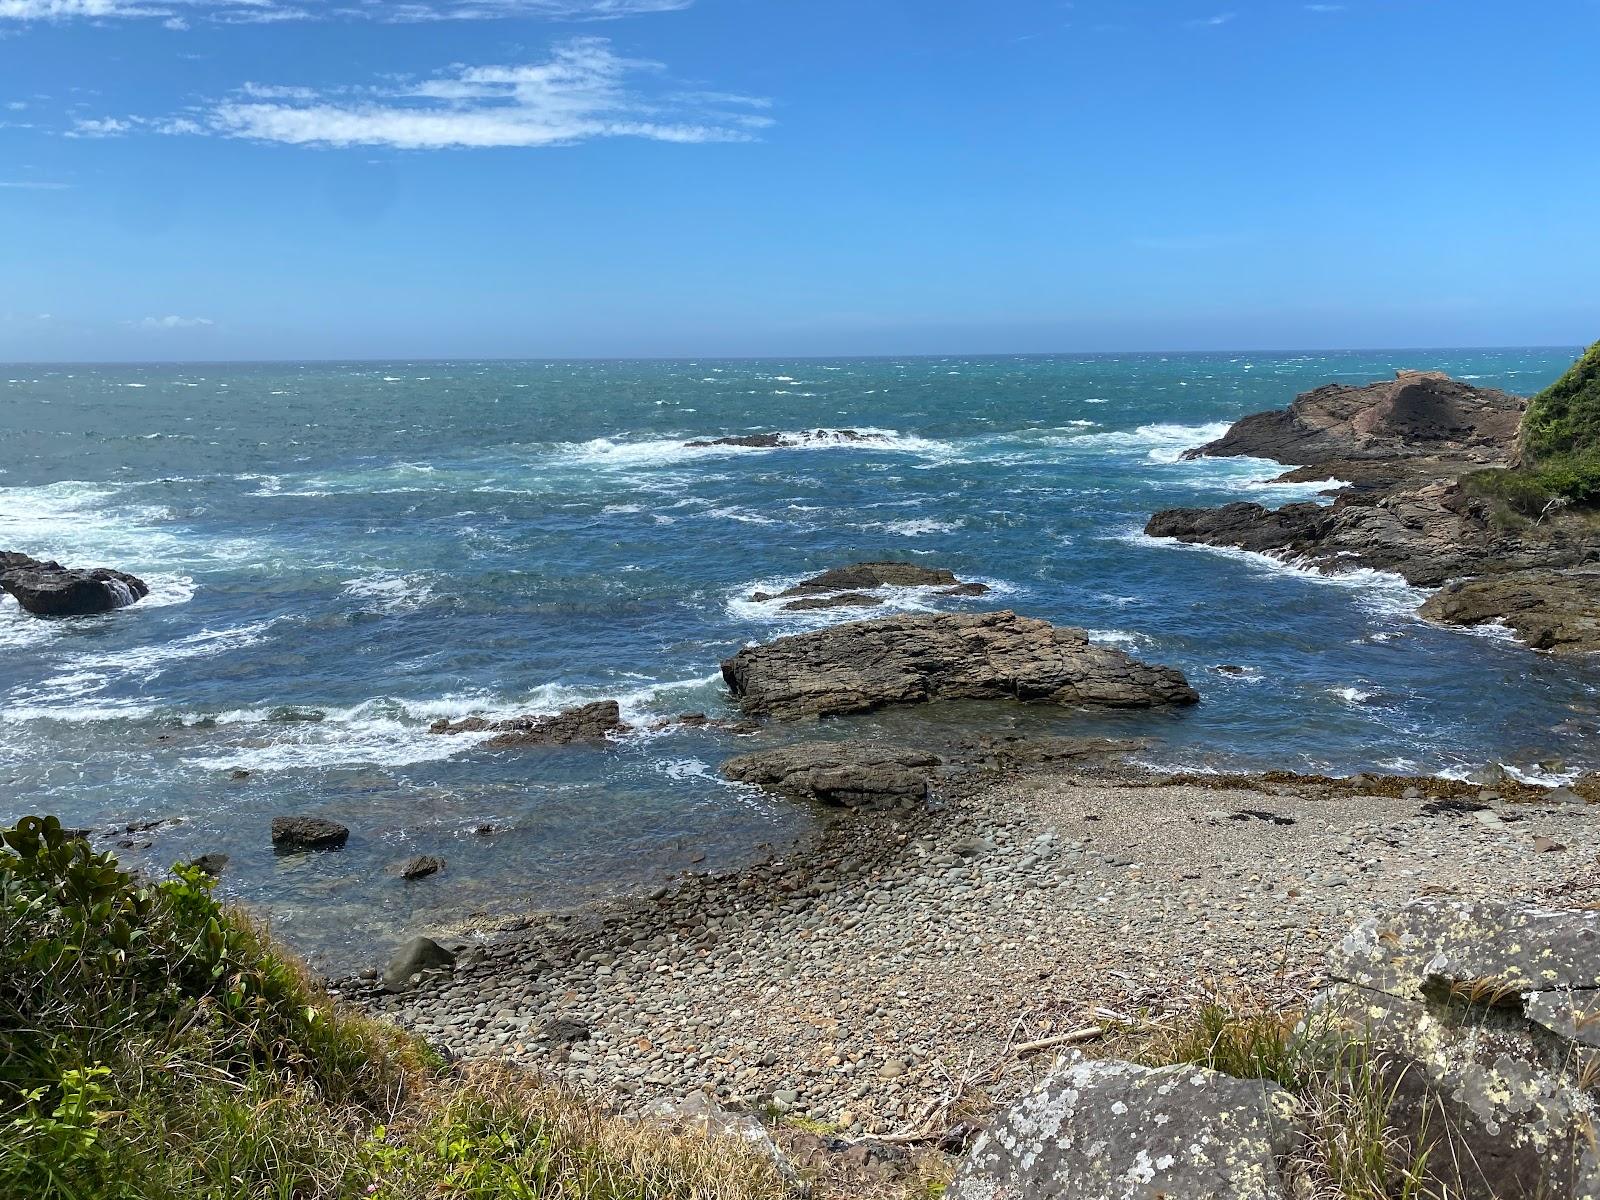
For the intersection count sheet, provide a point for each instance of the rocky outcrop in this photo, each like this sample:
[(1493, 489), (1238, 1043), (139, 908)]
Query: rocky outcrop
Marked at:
[(593, 722), (1484, 1019), (307, 833), (847, 774), (47, 589), (1406, 446), (786, 441), (910, 659), (1557, 611), (844, 587), (1098, 1130), (1442, 423)]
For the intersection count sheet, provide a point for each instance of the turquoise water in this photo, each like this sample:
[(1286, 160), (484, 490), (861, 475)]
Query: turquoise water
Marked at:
[(342, 553)]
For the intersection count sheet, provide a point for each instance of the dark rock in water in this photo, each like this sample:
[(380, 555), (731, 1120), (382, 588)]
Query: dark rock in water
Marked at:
[(419, 956), (1020, 750), (420, 866), (967, 589), (1558, 611), (842, 600), (307, 833), (779, 441), (212, 864), (1483, 1017), (874, 574), (849, 774), (587, 723), (1101, 1129), (1417, 414), (48, 589), (910, 659)]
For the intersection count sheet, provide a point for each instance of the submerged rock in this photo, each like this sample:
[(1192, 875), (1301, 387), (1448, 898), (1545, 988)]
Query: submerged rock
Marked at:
[(780, 441), (1104, 1129), (910, 659), (420, 866), (843, 587), (587, 723), (47, 589), (1484, 1019), (842, 600), (848, 774), (307, 833)]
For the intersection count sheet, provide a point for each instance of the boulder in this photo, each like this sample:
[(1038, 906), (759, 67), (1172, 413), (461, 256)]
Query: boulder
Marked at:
[(48, 589), (699, 1113), (418, 957), (1558, 611), (872, 575), (1484, 1017), (212, 864), (909, 659), (593, 722), (420, 866), (848, 774), (307, 833), (1109, 1130)]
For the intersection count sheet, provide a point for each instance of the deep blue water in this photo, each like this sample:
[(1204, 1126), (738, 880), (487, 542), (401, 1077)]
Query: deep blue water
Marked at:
[(341, 553)]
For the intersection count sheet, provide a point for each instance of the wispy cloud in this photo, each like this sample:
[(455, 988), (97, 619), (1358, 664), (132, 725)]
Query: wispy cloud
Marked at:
[(163, 324), (1325, 8), (584, 90), (33, 185), (1211, 22), (176, 14)]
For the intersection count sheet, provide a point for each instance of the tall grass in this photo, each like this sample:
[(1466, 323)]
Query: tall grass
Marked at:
[(157, 1046)]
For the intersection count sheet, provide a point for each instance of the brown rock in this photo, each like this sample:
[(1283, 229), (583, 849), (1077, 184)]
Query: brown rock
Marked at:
[(587, 723)]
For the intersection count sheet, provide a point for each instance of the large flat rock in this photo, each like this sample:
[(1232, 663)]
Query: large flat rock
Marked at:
[(910, 659), (848, 774), (1109, 1130), (1558, 611)]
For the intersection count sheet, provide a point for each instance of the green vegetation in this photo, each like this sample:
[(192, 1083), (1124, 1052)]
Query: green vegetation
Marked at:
[(1559, 445), (156, 1046), (1352, 1150)]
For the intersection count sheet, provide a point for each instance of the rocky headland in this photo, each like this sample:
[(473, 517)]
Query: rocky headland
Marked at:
[(1436, 492)]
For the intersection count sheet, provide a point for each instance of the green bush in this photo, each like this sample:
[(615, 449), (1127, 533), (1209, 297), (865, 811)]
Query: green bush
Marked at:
[(1563, 421)]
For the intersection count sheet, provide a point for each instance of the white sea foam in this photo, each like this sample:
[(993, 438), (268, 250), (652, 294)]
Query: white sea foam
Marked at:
[(1354, 696), (1380, 592), (609, 452), (391, 592), (741, 607), (914, 527)]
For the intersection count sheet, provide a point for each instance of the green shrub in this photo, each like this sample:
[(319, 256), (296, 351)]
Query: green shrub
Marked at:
[(155, 1045), (1564, 420)]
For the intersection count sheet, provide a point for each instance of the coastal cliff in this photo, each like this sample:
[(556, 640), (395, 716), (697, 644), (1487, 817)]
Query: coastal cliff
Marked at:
[(1445, 483)]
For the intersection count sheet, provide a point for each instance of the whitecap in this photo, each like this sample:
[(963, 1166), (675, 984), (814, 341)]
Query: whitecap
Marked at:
[(391, 592)]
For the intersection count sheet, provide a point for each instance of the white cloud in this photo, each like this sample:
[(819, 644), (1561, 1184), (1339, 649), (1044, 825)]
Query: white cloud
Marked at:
[(162, 324), (33, 185), (175, 14), (1211, 22), (583, 90)]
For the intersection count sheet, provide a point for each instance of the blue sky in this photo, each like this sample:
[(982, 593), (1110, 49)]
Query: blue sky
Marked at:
[(343, 178)]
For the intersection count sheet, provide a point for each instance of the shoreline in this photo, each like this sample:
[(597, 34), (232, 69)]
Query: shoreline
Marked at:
[(888, 978)]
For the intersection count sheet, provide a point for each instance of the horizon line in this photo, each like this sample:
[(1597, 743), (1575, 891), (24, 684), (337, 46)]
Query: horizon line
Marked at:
[(690, 358)]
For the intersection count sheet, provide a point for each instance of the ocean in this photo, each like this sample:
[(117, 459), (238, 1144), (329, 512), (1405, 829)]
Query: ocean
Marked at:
[(340, 554)]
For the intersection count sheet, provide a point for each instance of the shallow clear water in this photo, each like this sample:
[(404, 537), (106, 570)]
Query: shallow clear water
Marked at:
[(341, 553)]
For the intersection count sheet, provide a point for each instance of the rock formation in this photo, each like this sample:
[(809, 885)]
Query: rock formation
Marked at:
[(846, 587), (848, 774), (781, 441), (593, 722), (1412, 448), (1484, 1018), (1093, 1130), (909, 659), (1557, 611), (47, 589)]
